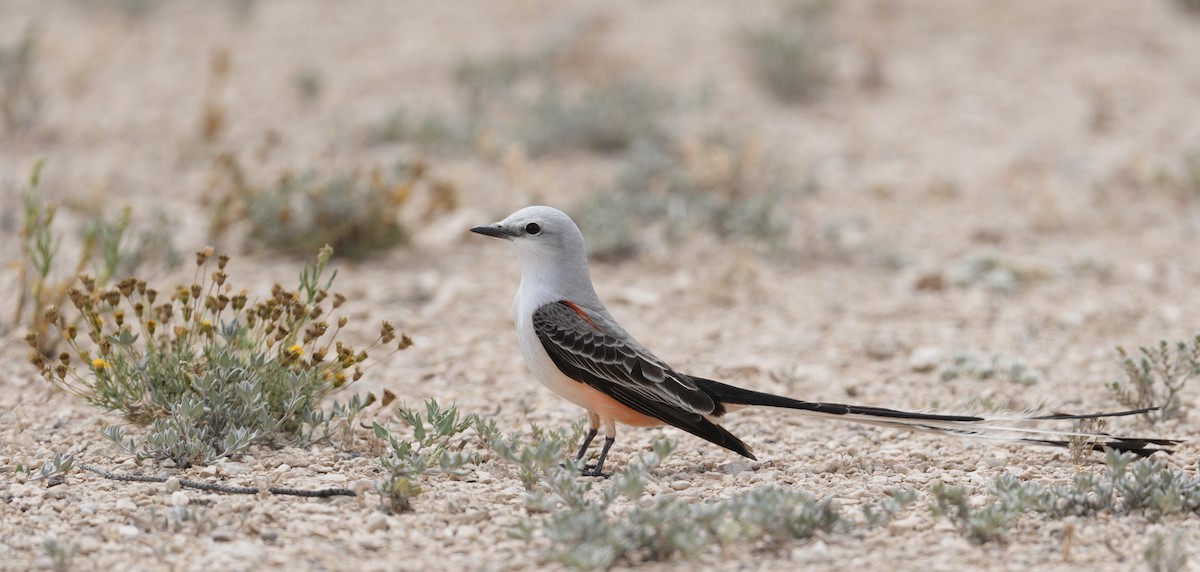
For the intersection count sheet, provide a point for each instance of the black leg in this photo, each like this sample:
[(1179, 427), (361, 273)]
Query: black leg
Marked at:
[(598, 470), (587, 440)]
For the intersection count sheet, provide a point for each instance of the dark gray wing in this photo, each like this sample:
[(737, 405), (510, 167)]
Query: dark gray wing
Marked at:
[(591, 348), (609, 359)]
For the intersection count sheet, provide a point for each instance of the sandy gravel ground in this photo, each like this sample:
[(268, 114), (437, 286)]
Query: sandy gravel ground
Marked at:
[(1043, 134)]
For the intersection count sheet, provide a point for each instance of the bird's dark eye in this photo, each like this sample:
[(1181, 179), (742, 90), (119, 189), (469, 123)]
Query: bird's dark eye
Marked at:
[(533, 228)]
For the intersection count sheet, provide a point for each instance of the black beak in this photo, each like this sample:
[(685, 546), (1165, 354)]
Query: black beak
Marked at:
[(496, 231)]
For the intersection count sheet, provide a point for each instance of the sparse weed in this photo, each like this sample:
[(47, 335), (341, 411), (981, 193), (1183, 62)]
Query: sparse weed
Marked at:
[(1157, 377), (728, 185), (1127, 485), (108, 248), (54, 470), (177, 519), (431, 132), (996, 366), (430, 451), (357, 213), (987, 269), (986, 523), (61, 557), (1167, 555), (210, 370), (586, 534), (792, 57), (20, 100), (605, 118)]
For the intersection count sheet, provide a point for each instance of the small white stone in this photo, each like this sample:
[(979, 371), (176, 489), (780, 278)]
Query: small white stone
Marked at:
[(126, 505), (925, 358), (377, 521), (680, 485), (179, 498), (368, 541), (88, 507), (88, 544), (209, 471), (173, 484), (128, 532)]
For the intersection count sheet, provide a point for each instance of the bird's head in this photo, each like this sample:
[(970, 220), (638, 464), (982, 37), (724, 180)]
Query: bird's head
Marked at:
[(538, 232), (549, 246)]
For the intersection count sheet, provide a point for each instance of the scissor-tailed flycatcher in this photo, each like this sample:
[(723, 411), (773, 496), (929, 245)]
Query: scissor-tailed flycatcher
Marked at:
[(575, 348)]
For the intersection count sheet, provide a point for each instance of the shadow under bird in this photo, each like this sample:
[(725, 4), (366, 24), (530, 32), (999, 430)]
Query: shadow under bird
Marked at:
[(575, 348)]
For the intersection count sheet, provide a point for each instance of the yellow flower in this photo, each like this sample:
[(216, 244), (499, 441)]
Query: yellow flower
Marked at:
[(99, 363), (296, 350)]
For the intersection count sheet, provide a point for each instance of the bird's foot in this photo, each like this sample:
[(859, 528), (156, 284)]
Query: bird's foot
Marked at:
[(594, 471)]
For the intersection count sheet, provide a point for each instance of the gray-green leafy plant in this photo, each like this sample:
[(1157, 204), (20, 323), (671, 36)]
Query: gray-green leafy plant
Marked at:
[(589, 530), (792, 56), (433, 449), (208, 370), (1157, 376)]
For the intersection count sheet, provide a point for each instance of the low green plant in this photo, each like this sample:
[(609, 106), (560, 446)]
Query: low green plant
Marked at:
[(62, 557), (792, 57), (1157, 377), (1126, 486), (604, 118), (108, 247), (432, 450), (1163, 554), (209, 370), (357, 213), (588, 532), (982, 367), (20, 100), (726, 184)]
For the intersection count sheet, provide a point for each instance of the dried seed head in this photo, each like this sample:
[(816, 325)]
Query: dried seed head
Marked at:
[(89, 282), (141, 287), (119, 317), (222, 260), (151, 325), (202, 256), (127, 286), (151, 294), (219, 277), (387, 332), (50, 313), (338, 300), (342, 321), (64, 358), (61, 371), (196, 290), (321, 295), (358, 373), (404, 343)]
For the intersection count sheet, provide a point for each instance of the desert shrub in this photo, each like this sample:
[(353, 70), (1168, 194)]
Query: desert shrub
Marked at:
[(205, 366), (724, 184), (603, 118), (791, 57), (357, 213)]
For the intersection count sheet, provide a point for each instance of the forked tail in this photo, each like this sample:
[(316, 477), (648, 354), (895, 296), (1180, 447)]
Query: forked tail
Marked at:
[(1001, 427)]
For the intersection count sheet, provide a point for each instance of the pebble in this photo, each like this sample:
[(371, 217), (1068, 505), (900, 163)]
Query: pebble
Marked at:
[(369, 541), (128, 532), (231, 468), (222, 535), (925, 358), (179, 498), (209, 471), (88, 544), (126, 505), (377, 521), (680, 485), (173, 484)]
